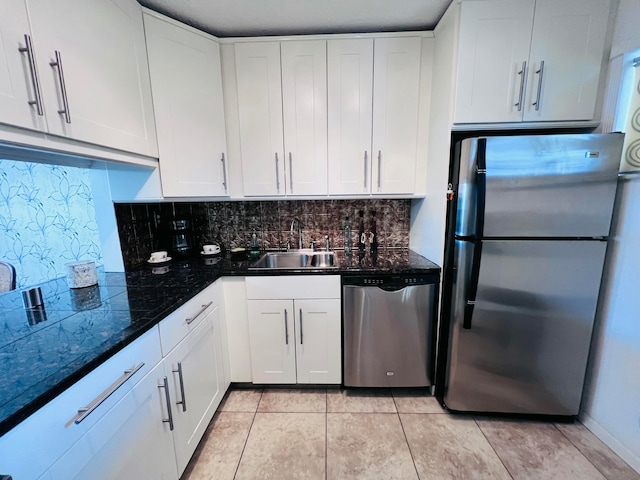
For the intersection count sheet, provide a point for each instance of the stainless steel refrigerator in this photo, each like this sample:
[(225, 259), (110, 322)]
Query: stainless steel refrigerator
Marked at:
[(528, 226)]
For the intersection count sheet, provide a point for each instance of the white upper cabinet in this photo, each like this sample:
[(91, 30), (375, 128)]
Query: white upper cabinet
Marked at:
[(93, 72), (529, 60), (20, 99), (282, 108), (494, 48), (304, 93), (396, 99), (188, 102), (374, 96), (569, 37), (350, 110), (260, 115)]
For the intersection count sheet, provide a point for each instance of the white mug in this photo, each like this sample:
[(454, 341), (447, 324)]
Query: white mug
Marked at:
[(211, 249), (158, 256)]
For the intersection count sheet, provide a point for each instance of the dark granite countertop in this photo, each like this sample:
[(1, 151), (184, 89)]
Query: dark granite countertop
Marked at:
[(44, 352)]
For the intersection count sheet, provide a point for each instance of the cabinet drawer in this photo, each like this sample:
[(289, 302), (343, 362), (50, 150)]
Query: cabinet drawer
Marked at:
[(178, 324), (293, 286), (52, 429)]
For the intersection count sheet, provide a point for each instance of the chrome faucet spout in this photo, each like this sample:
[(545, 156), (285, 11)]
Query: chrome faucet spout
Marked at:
[(296, 219)]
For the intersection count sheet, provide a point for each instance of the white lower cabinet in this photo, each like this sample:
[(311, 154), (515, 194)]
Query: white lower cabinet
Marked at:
[(131, 441), (154, 417), (295, 340), (195, 372)]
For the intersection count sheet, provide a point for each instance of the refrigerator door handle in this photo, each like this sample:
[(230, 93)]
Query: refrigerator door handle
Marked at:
[(472, 288), (481, 196), (481, 186)]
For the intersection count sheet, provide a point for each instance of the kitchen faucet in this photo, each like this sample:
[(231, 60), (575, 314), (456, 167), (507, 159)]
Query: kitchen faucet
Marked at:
[(296, 219)]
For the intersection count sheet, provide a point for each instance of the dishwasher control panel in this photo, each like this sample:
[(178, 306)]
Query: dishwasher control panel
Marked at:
[(390, 280)]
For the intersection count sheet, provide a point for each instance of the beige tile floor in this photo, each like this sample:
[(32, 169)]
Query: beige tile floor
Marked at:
[(387, 434)]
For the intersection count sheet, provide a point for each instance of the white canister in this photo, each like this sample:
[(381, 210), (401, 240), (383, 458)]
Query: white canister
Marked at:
[(81, 274)]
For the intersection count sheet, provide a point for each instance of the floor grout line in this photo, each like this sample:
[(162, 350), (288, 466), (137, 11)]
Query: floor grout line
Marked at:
[(406, 439), (246, 440), (579, 450), (475, 420), (326, 434)]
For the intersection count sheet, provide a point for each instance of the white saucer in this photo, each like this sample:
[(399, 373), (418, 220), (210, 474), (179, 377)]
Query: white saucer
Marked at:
[(209, 254), (157, 262)]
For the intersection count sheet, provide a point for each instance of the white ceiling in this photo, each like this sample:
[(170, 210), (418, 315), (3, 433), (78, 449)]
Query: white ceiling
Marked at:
[(241, 18)]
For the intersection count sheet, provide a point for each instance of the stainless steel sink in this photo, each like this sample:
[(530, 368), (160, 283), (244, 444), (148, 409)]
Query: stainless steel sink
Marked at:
[(295, 259)]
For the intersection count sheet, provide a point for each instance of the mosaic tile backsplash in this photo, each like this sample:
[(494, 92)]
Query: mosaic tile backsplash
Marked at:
[(146, 227), (47, 218)]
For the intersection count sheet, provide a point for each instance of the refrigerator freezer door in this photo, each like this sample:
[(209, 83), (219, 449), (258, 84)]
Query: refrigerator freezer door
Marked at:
[(526, 347), (542, 185)]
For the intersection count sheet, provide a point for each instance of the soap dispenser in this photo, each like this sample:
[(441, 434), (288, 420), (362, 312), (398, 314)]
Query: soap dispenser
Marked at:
[(348, 241), (254, 250)]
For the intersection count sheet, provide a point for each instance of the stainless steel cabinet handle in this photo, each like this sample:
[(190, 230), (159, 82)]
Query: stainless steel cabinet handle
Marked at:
[(301, 334), (291, 172), (539, 72), (224, 173), (28, 49), (63, 87), (277, 175), (182, 402), (379, 169), (365, 169), (286, 328), (84, 412), (523, 75), (204, 307), (167, 398)]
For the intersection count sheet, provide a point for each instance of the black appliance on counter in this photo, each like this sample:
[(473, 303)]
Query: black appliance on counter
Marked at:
[(528, 224), (181, 238)]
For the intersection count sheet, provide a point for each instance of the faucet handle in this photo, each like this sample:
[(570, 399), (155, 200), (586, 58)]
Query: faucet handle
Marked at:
[(312, 246), (327, 243)]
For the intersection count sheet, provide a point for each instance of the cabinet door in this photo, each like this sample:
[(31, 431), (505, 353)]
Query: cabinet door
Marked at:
[(187, 100), (318, 341), (569, 38), (195, 373), (396, 96), (304, 93), (18, 80), (350, 109), (104, 68), (272, 340), (130, 441), (260, 115), (494, 45), (52, 430)]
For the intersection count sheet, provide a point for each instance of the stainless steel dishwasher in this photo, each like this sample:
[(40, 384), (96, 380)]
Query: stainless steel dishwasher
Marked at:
[(389, 328)]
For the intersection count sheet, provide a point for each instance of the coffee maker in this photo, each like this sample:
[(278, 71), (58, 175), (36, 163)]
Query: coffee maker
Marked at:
[(181, 241)]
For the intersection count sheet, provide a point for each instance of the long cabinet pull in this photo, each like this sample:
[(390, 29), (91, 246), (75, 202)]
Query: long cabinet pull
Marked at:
[(183, 400), (63, 87), (540, 73), (84, 412), (523, 75), (204, 307), (290, 172), (224, 173), (286, 327), (167, 397), (379, 169), (28, 49), (277, 175), (301, 334), (365, 169)]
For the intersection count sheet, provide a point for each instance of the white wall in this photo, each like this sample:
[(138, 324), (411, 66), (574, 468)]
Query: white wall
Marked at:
[(428, 216), (611, 404)]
